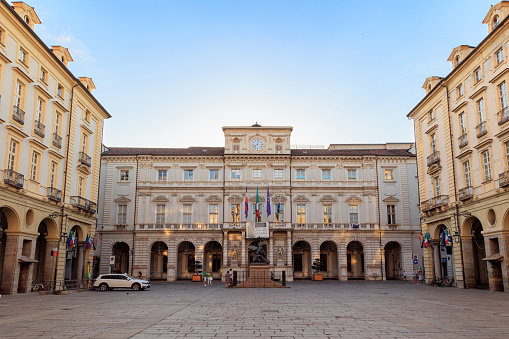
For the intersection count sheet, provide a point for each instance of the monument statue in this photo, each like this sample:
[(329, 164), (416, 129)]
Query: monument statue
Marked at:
[(258, 253)]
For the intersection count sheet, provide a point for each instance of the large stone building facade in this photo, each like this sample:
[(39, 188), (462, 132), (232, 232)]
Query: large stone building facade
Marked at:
[(51, 131), (462, 144), (353, 206)]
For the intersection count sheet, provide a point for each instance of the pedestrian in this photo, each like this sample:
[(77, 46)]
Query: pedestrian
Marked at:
[(209, 278), (227, 278), (231, 277), (139, 275), (420, 277), (414, 274), (404, 275), (204, 278)]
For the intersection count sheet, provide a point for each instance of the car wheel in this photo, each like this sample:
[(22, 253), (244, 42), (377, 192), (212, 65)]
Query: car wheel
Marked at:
[(136, 287), (103, 287)]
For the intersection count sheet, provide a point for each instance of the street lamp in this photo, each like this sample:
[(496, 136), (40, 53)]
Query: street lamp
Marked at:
[(456, 237)]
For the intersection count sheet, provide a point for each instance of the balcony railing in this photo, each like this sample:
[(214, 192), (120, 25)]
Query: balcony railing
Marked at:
[(434, 158), (57, 140), (435, 202), (463, 140), (503, 179), (18, 115), (466, 193), (84, 204), (39, 129), (14, 178), (503, 115), (323, 226), (54, 194), (85, 159), (177, 227), (481, 129), (242, 225)]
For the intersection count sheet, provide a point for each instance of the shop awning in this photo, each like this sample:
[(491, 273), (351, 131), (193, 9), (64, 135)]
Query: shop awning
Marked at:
[(27, 260), (494, 257)]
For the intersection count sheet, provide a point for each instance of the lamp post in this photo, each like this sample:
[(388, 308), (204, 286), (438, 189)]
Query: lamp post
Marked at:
[(63, 238)]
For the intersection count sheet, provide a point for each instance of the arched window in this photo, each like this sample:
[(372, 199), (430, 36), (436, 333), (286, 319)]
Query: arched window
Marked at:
[(456, 61), (496, 20)]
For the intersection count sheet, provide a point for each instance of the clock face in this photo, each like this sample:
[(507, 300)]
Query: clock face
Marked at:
[(257, 144)]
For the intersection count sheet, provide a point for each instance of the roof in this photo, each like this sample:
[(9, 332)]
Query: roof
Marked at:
[(219, 151)]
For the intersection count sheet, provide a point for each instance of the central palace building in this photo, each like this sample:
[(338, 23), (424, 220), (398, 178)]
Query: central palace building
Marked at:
[(352, 206)]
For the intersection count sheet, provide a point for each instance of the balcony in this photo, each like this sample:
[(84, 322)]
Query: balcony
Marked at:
[(84, 204), (85, 159), (481, 129), (323, 226), (463, 140), (54, 194), (39, 129), (18, 115), (434, 158), (503, 115), (179, 227), (466, 193), (503, 179), (57, 140), (14, 178), (435, 202)]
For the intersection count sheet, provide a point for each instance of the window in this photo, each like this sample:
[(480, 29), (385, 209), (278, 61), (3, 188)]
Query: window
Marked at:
[(354, 214), (235, 173), (389, 174), (459, 91), (213, 214), (60, 91), (391, 214), (162, 175), (301, 174), (352, 174), (280, 212), (326, 174), (301, 214), (34, 166), (480, 110), (214, 174), (462, 123), (257, 174), (436, 186), (457, 61), (122, 214), (235, 212), (431, 116), (53, 174), (43, 76), (11, 161), (502, 96), (433, 143), (39, 109), (84, 143), (18, 95), (466, 172), (188, 174), (260, 209), (486, 165), (496, 20), (507, 155), (58, 119), (186, 213), (2, 37), (499, 56), (124, 175), (23, 56), (327, 214), (160, 214), (278, 174), (81, 185), (477, 75), (87, 116)]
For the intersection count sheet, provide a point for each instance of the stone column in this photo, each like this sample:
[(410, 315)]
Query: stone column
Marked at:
[(271, 248), (468, 257), (436, 263), (225, 249), (50, 262), (10, 272), (243, 249), (80, 254)]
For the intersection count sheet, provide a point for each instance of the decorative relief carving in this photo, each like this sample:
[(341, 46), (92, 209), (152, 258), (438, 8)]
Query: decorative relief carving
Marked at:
[(354, 200), (235, 199), (213, 198), (122, 200), (253, 198), (391, 199), (277, 199), (301, 198), (187, 198), (328, 198), (160, 198)]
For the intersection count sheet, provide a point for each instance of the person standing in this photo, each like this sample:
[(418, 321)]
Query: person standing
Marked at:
[(209, 278), (204, 278), (228, 278), (414, 274), (404, 275)]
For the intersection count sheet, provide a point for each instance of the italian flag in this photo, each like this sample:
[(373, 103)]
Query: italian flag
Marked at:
[(257, 205)]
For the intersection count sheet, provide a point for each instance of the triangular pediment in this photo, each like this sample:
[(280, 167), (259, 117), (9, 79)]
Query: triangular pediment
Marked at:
[(391, 199), (122, 200)]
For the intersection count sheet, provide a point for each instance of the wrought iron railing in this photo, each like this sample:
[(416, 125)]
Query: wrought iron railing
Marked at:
[(466, 193), (503, 179), (503, 115), (39, 128), (481, 129), (435, 202), (434, 158), (83, 204), (62, 285), (14, 178), (57, 140), (54, 194), (463, 140), (18, 114), (85, 159)]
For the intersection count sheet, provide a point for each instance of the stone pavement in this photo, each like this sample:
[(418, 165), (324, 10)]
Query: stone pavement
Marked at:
[(328, 309)]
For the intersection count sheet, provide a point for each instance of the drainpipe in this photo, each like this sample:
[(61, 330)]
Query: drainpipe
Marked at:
[(379, 221), (135, 216), (98, 195), (456, 213)]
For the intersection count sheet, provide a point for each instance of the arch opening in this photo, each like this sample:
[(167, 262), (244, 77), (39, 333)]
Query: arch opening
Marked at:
[(329, 258), (186, 260), (393, 269), (212, 258), (121, 252), (355, 261), (302, 260), (159, 261)]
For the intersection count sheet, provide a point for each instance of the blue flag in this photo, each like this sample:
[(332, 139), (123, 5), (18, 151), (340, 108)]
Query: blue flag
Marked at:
[(268, 202)]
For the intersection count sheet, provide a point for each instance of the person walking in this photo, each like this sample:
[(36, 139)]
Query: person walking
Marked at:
[(414, 274), (228, 278), (209, 278), (404, 275), (204, 278)]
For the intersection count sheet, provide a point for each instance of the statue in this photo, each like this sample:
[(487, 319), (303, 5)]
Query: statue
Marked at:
[(234, 252), (258, 253), (280, 253)]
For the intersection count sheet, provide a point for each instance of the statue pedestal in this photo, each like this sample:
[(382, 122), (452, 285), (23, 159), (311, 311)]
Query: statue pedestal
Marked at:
[(280, 262), (259, 277), (234, 263)]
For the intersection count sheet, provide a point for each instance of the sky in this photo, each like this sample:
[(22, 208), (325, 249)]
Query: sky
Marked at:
[(172, 73)]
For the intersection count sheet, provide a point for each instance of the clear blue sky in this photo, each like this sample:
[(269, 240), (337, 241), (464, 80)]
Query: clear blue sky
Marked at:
[(172, 73)]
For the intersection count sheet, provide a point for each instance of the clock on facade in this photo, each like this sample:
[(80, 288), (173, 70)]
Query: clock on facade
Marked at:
[(257, 144)]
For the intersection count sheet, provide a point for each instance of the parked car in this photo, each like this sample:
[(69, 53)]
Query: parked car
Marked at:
[(110, 281)]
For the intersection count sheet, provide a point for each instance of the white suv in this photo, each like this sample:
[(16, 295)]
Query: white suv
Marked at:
[(110, 281)]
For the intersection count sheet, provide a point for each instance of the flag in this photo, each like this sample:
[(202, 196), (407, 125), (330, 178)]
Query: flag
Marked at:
[(257, 207), (447, 238), (279, 205), (268, 202), (426, 242), (86, 242), (442, 235), (246, 204), (69, 238)]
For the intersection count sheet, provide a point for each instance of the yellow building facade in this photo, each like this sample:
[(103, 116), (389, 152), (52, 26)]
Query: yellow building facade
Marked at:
[(51, 131), (462, 140)]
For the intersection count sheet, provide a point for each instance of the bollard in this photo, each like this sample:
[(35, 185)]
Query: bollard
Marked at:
[(234, 282), (283, 278)]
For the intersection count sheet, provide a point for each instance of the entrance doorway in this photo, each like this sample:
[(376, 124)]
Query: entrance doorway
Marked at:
[(393, 269), (212, 258), (302, 260), (40, 253), (159, 261), (479, 253), (329, 258), (355, 261), (186, 259), (121, 252)]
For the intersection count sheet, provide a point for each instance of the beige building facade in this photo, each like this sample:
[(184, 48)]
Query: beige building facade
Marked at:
[(462, 143), (51, 131), (162, 209)]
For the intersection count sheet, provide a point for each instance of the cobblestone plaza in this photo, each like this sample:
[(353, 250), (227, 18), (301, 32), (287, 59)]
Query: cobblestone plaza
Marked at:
[(329, 309)]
